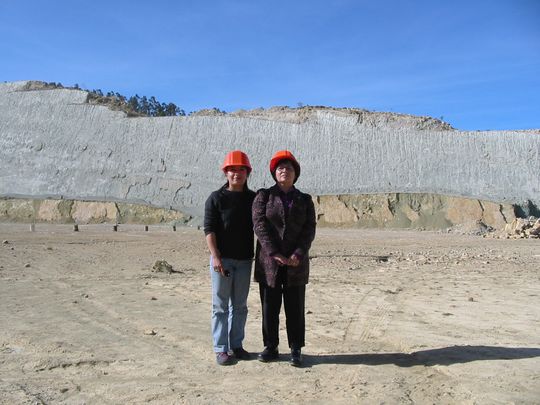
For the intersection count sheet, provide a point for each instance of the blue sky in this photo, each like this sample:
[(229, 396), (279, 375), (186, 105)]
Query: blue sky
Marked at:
[(475, 63)]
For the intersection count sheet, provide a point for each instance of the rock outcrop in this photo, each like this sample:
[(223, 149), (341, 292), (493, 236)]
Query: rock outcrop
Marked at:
[(419, 211), (85, 212), (55, 144)]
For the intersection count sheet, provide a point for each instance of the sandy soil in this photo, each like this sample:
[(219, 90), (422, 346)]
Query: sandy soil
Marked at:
[(394, 317)]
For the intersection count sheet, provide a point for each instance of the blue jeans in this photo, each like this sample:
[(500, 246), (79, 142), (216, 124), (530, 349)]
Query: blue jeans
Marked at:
[(229, 304)]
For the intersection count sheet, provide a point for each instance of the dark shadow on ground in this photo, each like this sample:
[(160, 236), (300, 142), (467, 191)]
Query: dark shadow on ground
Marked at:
[(443, 356)]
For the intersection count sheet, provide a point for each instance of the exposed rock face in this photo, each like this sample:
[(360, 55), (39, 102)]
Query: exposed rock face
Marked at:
[(85, 212), (18, 210), (425, 211), (420, 211), (54, 144)]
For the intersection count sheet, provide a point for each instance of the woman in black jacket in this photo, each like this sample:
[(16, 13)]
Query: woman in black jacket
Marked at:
[(284, 222), (229, 235)]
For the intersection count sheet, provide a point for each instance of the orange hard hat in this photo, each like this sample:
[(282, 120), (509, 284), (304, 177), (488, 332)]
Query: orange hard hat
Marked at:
[(284, 155), (236, 158)]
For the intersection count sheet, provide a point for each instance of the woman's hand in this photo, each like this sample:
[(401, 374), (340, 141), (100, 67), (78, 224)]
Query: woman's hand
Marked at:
[(281, 260), (217, 265), (294, 260)]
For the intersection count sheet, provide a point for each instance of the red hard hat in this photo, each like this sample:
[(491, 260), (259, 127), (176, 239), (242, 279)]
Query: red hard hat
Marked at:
[(284, 155), (236, 158)]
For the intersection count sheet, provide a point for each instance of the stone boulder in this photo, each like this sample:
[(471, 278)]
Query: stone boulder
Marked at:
[(523, 228)]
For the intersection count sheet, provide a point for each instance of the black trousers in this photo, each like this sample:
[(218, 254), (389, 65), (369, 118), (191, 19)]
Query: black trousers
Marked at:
[(294, 303)]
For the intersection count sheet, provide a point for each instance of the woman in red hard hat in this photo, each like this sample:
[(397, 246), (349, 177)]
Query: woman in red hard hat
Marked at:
[(228, 228), (284, 222)]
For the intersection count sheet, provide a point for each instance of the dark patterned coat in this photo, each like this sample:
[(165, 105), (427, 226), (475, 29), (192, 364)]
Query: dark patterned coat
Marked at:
[(277, 234)]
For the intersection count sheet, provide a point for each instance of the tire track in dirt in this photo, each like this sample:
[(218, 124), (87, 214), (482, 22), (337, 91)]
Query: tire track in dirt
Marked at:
[(20, 393), (367, 325), (105, 318), (123, 342)]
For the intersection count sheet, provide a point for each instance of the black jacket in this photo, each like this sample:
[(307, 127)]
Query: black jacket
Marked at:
[(285, 234), (228, 215)]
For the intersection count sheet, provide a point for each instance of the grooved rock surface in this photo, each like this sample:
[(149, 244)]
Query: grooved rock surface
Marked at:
[(53, 144)]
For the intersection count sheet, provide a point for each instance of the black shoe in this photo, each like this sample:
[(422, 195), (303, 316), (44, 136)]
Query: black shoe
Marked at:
[(268, 354), (296, 358), (241, 354)]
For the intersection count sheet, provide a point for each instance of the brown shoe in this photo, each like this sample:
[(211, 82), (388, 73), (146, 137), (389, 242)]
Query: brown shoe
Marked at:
[(223, 359)]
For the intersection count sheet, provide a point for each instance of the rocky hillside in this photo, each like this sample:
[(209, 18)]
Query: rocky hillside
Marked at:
[(56, 144)]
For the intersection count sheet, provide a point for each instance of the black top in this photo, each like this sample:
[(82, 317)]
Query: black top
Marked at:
[(287, 200), (228, 215)]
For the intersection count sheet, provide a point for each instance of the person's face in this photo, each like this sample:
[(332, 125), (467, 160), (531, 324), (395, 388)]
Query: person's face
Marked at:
[(285, 173), (236, 175)]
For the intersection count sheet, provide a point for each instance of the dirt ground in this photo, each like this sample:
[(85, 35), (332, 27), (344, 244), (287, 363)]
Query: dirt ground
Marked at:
[(393, 317)]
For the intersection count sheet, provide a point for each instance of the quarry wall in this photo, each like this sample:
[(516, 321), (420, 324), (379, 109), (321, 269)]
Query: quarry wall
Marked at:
[(54, 144)]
